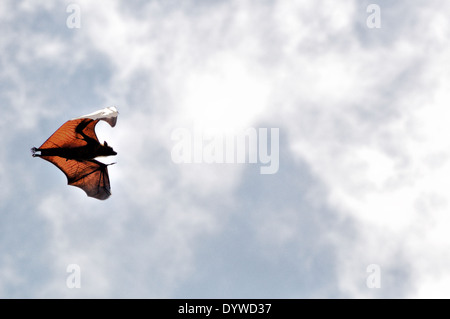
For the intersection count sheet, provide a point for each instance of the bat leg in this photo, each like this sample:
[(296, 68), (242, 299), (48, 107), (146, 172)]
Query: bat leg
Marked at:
[(33, 152)]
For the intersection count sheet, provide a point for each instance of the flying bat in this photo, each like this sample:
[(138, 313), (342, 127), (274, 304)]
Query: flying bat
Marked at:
[(73, 149)]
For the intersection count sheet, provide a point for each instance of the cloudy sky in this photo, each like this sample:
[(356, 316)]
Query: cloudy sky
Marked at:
[(359, 207)]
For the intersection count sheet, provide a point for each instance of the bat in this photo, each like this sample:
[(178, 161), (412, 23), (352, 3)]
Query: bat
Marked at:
[(73, 149)]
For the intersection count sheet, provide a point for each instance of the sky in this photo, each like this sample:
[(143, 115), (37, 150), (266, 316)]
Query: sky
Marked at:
[(355, 101)]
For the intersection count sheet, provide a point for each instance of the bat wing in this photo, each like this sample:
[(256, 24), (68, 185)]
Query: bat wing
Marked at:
[(89, 175), (79, 131), (73, 133)]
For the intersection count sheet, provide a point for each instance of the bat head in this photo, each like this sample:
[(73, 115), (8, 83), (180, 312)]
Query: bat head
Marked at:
[(107, 150)]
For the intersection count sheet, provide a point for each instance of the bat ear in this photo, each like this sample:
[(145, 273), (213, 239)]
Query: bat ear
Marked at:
[(106, 144)]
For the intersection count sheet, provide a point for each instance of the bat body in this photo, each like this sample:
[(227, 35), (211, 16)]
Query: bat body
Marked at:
[(73, 149)]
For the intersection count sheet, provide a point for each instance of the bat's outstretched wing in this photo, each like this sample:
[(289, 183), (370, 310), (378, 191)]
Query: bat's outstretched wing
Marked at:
[(80, 131), (73, 133), (89, 175)]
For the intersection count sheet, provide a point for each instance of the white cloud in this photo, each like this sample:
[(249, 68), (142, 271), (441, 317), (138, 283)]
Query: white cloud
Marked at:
[(378, 170)]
